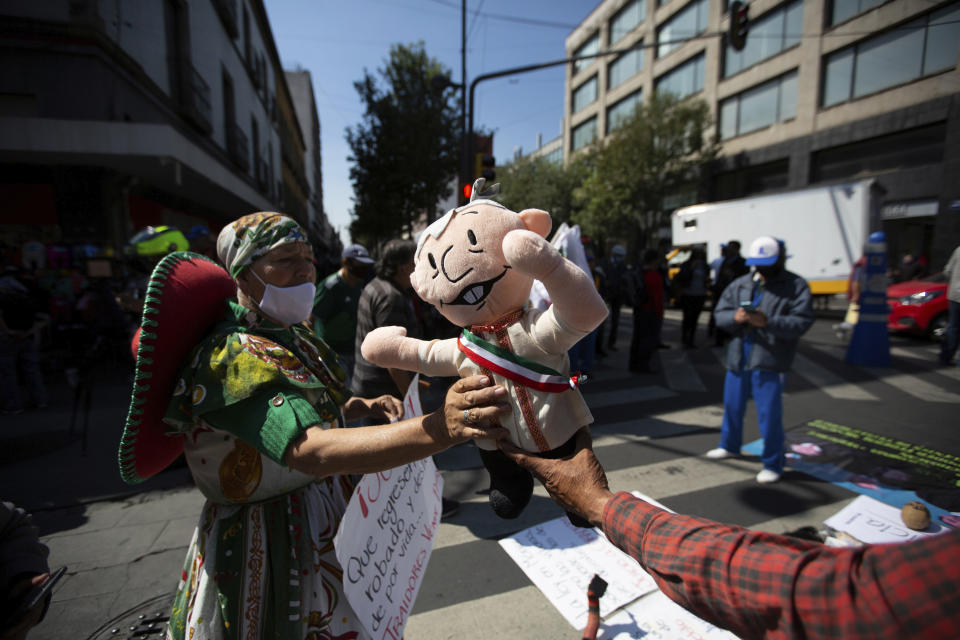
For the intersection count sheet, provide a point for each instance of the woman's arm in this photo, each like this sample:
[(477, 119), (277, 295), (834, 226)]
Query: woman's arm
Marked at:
[(324, 452)]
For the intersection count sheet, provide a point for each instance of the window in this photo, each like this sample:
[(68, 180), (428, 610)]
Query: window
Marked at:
[(627, 19), (555, 156), (841, 10), (622, 110), (686, 23), (919, 48), (759, 107), (775, 32), (683, 80), (624, 67), (584, 134), (588, 48), (922, 146), (585, 94)]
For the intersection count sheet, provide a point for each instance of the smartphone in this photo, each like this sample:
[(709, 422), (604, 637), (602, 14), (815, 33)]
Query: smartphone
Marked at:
[(747, 306), (32, 597)]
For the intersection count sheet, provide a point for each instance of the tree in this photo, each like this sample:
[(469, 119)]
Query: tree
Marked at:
[(538, 183), (655, 154), (405, 151)]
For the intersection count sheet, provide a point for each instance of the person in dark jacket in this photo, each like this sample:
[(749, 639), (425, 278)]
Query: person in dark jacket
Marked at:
[(647, 314), (731, 267), (766, 313)]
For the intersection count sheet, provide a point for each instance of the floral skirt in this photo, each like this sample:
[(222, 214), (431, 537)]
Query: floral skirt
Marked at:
[(267, 570)]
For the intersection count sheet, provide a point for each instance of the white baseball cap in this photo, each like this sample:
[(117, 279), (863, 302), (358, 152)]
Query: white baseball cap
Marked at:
[(764, 251)]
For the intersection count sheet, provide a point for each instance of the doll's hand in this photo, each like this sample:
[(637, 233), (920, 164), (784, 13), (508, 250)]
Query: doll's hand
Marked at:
[(382, 346), (530, 254)]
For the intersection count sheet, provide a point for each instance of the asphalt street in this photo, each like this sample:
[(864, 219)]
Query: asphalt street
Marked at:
[(124, 546)]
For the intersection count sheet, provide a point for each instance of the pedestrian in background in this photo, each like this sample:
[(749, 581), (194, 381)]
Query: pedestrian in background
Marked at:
[(731, 267), (617, 283), (23, 317), (386, 301), (600, 282), (693, 281), (766, 313), (335, 305), (951, 339), (663, 247), (647, 314)]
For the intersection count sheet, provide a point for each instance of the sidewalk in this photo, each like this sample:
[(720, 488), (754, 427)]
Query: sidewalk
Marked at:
[(122, 544)]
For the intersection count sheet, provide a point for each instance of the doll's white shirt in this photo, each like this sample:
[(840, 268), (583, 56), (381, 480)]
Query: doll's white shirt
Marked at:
[(539, 336)]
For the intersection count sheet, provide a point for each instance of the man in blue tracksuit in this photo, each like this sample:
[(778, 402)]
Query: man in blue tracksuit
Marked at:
[(766, 312)]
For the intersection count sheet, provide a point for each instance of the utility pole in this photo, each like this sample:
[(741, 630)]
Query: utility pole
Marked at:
[(464, 149)]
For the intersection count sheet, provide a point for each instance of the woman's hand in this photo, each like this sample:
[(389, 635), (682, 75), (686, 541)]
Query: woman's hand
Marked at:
[(472, 410), (385, 408)]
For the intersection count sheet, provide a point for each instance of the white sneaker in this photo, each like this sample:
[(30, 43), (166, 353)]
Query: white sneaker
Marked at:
[(719, 454), (766, 476)]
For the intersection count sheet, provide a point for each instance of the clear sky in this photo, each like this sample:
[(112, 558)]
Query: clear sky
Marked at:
[(336, 40)]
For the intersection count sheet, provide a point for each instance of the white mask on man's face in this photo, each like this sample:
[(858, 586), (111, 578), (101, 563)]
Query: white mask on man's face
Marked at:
[(289, 305)]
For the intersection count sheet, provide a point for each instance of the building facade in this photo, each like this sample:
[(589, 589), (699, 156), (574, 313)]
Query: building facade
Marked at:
[(824, 91), (118, 114), (324, 236)]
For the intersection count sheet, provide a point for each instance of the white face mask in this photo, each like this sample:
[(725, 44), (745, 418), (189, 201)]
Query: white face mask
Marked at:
[(289, 305)]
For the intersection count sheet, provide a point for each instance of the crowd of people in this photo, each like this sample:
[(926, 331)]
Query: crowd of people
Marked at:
[(281, 414)]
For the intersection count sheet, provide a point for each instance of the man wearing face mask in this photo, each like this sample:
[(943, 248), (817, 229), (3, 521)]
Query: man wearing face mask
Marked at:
[(765, 312), (335, 305)]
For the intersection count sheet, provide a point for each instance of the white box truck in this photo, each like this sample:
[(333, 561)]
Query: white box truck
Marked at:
[(825, 228)]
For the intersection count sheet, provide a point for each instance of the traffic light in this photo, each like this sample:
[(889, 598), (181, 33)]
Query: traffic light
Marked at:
[(488, 163), (467, 190), (739, 24)]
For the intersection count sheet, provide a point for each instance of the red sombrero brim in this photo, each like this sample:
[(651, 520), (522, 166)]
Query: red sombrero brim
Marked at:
[(185, 299)]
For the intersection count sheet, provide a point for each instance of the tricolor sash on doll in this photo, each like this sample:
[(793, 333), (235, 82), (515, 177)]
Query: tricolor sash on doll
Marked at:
[(511, 366)]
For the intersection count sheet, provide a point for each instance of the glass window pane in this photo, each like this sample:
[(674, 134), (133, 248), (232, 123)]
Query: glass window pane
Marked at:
[(622, 110), (703, 7), (943, 37), (629, 17), (585, 94), (728, 118), (624, 68), (683, 80), (682, 25), (843, 9), (793, 25), (788, 97), (838, 73), (584, 133), (589, 47), (732, 62), (758, 107), (888, 60)]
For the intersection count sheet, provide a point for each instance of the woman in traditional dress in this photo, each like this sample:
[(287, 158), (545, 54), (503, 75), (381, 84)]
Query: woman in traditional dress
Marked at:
[(258, 405)]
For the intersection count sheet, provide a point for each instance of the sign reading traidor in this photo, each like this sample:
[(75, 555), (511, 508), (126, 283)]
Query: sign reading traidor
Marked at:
[(384, 542)]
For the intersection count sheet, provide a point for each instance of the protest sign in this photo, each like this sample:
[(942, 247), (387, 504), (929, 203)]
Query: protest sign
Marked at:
[(873, 522), (560, 560), (385, 540), (657, 617)]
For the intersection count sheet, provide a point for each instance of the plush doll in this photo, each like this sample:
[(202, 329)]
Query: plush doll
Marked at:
[(476, 264)]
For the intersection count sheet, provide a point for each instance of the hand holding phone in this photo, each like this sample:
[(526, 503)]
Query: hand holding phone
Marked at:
[(748, 306), (31, 599)]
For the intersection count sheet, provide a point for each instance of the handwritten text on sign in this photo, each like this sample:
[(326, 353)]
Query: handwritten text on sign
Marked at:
[(384, 544)]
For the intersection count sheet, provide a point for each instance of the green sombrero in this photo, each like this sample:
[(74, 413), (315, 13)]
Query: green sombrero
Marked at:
[(185, 299)]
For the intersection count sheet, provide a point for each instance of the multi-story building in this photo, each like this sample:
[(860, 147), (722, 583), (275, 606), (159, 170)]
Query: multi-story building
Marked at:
[(116, 114), (323, 235), (824, 91)]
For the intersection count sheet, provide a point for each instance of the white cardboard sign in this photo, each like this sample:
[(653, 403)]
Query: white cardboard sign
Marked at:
[(657, 617), (561, 559), (874, 522), (385, 540)]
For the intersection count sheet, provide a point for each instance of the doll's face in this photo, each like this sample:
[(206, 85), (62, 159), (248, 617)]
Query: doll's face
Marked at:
[(463, 273)]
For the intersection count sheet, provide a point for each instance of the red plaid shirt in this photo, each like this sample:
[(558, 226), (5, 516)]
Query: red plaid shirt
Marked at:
[(762, 585)]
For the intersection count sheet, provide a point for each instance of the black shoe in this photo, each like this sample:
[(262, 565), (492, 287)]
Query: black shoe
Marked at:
[(448, 508)]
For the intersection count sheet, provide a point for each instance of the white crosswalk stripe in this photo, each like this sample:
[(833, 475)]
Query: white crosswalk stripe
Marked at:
[(827, 381), (680, 373)]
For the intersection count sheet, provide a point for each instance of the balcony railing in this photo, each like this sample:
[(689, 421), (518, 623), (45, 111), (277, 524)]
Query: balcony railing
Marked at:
[(227, 10), (237, 146), (196, 100)]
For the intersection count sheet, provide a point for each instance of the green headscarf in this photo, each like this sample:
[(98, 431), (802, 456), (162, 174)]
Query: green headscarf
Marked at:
[(254, 235)]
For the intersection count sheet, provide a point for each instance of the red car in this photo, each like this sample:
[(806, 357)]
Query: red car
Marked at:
[(919, 306)]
